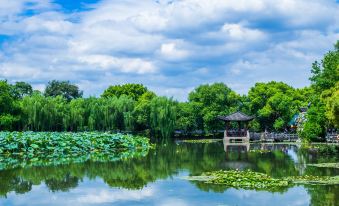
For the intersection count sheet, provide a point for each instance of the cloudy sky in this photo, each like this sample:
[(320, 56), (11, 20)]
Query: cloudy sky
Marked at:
[(171, 46)]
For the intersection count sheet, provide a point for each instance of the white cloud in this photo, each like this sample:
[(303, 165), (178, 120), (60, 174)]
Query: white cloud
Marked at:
[(128, 65), (171, 46), (171, 52), (240, 33), (9, 9), (50, 22)]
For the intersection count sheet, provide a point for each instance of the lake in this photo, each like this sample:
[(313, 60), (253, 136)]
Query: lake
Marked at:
[(159, 178)]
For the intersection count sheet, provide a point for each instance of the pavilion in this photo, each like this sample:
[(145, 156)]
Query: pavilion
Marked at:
[(242, 132)]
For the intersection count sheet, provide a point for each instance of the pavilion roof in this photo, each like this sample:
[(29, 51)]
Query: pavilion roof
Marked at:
[(236, 116)]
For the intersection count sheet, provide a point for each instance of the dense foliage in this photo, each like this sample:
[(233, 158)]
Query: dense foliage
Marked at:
[(324, 110), (44, 148), (241, 179), (259, 181), (62, 88), (211, 101), (132, 107), (135, 91), (274, 104)]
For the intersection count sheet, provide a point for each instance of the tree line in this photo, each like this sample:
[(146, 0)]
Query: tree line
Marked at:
[(132, 107)]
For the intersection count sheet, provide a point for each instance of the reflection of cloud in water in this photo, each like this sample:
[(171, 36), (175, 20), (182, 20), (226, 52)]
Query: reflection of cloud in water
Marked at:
[(173, 202), (237, 165), (88, 193), (293, 155), (294, 197), (176, 192), (106, 196)]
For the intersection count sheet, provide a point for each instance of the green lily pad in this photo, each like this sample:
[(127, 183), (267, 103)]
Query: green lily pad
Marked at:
[(254, 180), (240, 179), (200, 141), (314, 180)]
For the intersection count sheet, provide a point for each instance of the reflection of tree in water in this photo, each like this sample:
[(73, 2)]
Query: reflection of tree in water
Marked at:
[(323, 195), (222, 188), (13, 183), (63, 185), (161, 163)]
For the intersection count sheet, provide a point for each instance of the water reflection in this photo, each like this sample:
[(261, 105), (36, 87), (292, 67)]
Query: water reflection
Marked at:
[(158, 173)]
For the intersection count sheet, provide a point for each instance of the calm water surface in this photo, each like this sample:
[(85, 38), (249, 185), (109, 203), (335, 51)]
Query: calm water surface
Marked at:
[(157, 179)]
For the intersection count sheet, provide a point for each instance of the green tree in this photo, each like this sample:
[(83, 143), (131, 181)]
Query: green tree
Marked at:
[(316, 122), (134, 91), (8, 107), (62, 88), (21, 89), (273, 104), (325, 75), (163, 116), (142, 111), (75, 118), (331, 99), (187, 117), (211, 101), (44, 113), (324, 108)]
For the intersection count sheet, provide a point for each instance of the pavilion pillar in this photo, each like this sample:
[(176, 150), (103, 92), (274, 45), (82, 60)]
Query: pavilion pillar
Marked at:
[(226, 128), (239, 128)]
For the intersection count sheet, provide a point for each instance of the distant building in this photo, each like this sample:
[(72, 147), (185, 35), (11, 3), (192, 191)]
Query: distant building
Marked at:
[(298, 119)]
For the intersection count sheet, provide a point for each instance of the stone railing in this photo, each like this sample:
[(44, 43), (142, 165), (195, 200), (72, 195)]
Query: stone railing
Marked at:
[(332, 137), (274, 136)]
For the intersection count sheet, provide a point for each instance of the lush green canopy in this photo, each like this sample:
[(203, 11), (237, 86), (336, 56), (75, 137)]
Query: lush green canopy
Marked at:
[(135, 91), (62, 88)]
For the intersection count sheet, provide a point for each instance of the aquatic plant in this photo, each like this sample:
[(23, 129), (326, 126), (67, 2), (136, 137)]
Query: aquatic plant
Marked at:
[(206, 141), (323, 149), (240, 179), (254, 180), (314, 180), (44, 148)]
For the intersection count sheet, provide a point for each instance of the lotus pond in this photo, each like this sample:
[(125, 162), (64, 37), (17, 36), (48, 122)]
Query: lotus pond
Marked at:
[(165, 175)]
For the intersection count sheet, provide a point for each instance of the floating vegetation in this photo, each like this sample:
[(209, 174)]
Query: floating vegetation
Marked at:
[(200, 140), (328, 165), (240, 179), (260, 151), (53, 148), (254, 180), (314, 180), (324, 149)]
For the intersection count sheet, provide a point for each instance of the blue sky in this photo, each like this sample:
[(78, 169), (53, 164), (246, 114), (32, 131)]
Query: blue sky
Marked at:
[(171, 46)]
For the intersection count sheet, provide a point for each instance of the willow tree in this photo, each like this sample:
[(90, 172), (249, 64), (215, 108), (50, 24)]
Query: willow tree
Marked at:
[(163, 116), (31, 108), (142, 110), (44, 113), (95, 114), (117, 112), (75, 117)]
